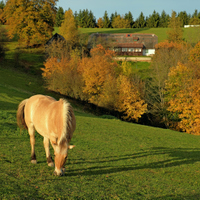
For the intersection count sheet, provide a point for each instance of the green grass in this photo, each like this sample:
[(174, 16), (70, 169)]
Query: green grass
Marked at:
[(190, 34), (112, 159)]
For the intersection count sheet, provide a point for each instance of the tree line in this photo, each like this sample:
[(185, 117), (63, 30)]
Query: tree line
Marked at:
[(86, 19)]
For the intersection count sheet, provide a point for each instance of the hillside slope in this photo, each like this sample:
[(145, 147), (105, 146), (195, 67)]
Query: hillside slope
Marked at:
[(112, 159)]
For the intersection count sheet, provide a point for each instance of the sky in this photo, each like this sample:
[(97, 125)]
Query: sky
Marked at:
[(98, 7)]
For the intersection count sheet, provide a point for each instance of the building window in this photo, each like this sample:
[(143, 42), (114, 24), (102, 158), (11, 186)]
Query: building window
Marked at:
[(117, 49), (131, 50), (138, 50), (124, 49)]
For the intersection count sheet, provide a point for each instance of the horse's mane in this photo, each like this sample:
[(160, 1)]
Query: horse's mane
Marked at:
[(69, 122)]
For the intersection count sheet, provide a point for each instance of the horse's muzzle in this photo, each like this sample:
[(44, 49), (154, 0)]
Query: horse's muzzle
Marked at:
[(58, 173)]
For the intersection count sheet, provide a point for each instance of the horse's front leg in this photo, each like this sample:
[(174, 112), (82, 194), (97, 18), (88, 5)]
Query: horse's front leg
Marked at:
[(48, 155)]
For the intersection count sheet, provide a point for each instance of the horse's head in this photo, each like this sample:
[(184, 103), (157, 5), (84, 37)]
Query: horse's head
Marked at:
[(61, 154)]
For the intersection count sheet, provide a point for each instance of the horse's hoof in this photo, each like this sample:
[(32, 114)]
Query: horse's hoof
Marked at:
[(34, 161), (51, 164)]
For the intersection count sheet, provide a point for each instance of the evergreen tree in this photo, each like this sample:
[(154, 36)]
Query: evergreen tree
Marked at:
[(106, 21), (184, 18), (153, 20), (92, 20), (164, 20), (2, 4), (59, 16), (140, 22), (128, 16)]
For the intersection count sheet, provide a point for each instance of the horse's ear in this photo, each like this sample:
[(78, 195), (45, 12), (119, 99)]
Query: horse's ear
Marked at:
[(71, 146)]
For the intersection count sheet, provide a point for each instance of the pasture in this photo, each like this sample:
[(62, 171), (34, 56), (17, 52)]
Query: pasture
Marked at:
[(189, 34), (112, 159)]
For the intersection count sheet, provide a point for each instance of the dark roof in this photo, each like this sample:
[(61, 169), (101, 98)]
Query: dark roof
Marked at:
[(129, 45), (144, 40), (55, 37)]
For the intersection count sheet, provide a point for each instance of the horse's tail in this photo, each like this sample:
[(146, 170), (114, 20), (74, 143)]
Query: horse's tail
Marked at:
[(20, 115)]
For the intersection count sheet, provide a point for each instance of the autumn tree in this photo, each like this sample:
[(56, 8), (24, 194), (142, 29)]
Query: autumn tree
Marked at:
[(183, 96), (121, 22), (95, 71), (167, 55), (69, 29), (100, 23), (175, 34), (2, 18), (32, 21)]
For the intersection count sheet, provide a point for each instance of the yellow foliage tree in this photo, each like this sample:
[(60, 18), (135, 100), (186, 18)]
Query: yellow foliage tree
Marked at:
[(32, 21), (129, 100), (183, 96), (69, 29), (120, 22), (100, 23), (95, 71)]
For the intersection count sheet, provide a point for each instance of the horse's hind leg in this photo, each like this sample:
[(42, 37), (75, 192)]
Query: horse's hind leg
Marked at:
[(31, 131), (48, 155)]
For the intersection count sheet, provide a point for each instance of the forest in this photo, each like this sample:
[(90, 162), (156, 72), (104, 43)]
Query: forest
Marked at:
[(86, 19)]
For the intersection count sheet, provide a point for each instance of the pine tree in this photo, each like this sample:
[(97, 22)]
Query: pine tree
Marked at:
[(59, 16), (106, 21), (164, 20), (128, 16)]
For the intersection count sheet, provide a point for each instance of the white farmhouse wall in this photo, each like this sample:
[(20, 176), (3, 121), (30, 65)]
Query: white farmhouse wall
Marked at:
[(148, 52)]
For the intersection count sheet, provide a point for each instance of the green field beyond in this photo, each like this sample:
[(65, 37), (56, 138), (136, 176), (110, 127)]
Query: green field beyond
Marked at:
[(190, 34), (112, 159)]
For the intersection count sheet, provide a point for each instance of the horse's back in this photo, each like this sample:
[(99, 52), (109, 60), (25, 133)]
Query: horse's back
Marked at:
[(41, 112)]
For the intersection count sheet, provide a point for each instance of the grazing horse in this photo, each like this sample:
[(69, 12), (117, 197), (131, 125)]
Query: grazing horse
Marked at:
[(52, 119)]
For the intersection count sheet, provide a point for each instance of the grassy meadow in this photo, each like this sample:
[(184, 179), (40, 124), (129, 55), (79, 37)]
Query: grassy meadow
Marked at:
[(112, 159), (190, 34)]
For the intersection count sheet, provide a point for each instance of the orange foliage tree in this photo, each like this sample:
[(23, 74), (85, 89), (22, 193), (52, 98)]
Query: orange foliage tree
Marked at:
[(129, 100), (32, 21), (183, 96), (100, 22), (105, 87), (97, 79), (95, 71), (195, 53), (61, 75)]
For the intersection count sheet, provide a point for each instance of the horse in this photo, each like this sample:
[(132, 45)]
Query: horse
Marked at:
[(55, 121)]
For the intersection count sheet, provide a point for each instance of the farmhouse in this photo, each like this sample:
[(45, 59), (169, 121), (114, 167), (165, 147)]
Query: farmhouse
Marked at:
[(135, 44)]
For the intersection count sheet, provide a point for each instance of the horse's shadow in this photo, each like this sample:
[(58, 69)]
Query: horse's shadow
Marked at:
[(174, 157)]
